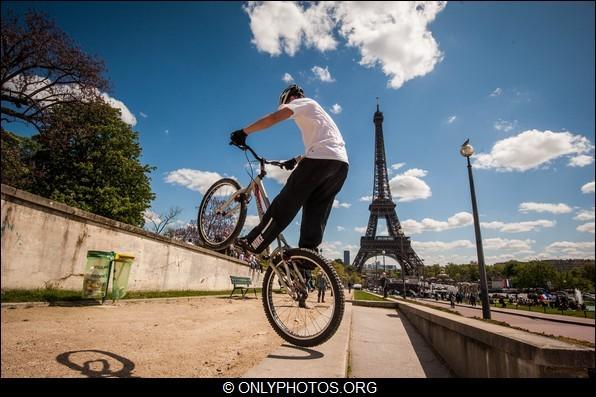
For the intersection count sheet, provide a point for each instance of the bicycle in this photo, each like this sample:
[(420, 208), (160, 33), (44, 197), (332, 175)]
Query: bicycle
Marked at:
[(288, 297)]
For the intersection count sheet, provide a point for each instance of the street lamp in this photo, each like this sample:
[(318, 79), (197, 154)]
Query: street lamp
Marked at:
[(467, 150)]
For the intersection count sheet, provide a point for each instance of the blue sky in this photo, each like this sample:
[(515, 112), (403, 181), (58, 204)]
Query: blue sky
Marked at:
[(515, 78)]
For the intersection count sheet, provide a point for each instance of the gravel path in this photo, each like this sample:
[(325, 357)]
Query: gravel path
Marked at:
[(196, 337)]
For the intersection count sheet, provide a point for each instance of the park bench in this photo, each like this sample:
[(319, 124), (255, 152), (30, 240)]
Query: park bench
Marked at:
[(243, 284)]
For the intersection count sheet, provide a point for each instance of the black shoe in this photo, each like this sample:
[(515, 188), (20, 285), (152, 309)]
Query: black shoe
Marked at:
[(243, 243), (302, 304)]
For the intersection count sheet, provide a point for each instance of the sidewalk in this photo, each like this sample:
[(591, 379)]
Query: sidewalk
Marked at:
[(370, 343)]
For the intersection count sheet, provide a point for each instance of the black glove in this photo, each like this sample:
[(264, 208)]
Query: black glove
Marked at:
[(289, 164), (238, 138)]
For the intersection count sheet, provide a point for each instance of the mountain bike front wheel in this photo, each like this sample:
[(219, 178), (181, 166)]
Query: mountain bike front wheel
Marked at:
[(310, 312), (221, 215)]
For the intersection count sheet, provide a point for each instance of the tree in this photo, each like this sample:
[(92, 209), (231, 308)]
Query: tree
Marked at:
[(158, 222), (17, 160), (42, 68), (535, 275), (90, 159)]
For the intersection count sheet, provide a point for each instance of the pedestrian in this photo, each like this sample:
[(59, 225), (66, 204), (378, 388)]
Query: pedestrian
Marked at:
[(321, 286), (383, 284), (318, 177)]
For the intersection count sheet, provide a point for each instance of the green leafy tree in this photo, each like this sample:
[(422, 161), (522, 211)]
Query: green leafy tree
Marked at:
[(90, 159), (535, 275), (17, 163)]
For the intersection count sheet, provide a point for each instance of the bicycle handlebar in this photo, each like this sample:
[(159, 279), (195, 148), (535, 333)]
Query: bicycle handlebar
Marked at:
[(259, 158)]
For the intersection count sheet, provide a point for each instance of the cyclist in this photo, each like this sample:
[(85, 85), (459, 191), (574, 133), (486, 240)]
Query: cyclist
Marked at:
[(319, 176)]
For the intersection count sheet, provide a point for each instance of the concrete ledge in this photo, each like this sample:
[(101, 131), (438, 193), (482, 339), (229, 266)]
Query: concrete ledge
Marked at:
[(473, 348), (388, 305)]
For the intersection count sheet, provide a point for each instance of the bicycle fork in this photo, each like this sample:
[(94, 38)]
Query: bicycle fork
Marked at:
[(290, 277)]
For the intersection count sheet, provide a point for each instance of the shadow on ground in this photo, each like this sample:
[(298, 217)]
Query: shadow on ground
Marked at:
[(312, 354), (97, 363)]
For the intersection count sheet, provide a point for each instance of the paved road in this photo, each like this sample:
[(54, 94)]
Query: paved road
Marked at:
[(581, 332)]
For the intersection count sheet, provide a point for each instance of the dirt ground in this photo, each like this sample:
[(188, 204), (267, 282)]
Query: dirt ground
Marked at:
[(196, 337)]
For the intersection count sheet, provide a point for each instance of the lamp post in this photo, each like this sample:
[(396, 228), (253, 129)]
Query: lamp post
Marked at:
[(467, 150)]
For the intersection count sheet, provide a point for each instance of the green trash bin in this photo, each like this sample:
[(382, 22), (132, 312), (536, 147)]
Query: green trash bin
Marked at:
[(97, 273), (122, 265)]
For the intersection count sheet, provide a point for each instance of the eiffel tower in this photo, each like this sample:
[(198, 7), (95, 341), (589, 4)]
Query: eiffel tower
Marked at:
[(396, 245)]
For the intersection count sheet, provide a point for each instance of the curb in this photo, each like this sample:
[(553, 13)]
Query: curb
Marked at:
[(388, 305)]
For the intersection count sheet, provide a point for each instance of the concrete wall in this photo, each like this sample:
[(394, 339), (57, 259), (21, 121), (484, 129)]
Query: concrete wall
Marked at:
[(477, 349), (45, 243)]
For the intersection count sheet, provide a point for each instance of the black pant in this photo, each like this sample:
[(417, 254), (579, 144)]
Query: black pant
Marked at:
[(312, 186)]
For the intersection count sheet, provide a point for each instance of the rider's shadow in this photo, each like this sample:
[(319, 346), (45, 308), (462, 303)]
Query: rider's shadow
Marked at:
[(97, 366), (311, 354)]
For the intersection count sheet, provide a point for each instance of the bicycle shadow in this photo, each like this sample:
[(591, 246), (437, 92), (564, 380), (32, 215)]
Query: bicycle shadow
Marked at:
[(312, 354), (90, 367)]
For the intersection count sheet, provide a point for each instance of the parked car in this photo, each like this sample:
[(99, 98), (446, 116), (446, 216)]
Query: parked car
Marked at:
[(357, 286)]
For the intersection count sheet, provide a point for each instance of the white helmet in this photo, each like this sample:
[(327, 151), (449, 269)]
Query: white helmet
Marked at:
[(293, 90)]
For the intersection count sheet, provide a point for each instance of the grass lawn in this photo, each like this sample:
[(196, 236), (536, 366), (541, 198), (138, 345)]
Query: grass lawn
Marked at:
[(55, 295), (365, 296), (548, 310)]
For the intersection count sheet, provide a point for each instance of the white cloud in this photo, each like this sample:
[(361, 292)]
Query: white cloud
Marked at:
[(287, 78), (336, 109), (198, 181), (341, 228), (361, 230), (143, 115), (588, 187), (277, 174), (532, 149), (545, 207), (251, 221), (366, 198), (322, 74), (151, 217), (586, 227), (451, 119), (503, 243), (569, 246), (585, 215), (337, 204), (279, 27), (441, 245), (503, 125), (125, 114), (408, 186), (497, 92), (581, 160), (458, 220), (397, 166), (167, 132), (393, 35), (518, 227)]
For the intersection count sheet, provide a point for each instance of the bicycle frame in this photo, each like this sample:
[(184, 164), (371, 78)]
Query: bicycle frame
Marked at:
[(256, 188)]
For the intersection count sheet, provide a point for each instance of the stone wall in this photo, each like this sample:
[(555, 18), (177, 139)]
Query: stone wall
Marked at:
[(45, 243), (478, 349)]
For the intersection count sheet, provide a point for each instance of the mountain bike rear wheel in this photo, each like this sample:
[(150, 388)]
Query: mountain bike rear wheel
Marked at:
[(219, 226), (302, 318)]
